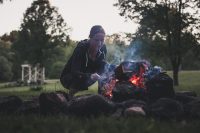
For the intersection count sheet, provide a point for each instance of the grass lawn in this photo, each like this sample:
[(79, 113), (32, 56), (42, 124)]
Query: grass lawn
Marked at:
[(189, 80), (64, 124)]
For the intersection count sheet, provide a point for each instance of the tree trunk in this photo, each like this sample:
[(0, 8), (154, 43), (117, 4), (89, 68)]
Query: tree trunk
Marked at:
[(175, 75), (171, 51), (175, 54), (178, 55)]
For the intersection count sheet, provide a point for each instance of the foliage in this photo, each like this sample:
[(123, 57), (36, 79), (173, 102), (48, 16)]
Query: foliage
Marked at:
[(42, 39), (42, 30), (5, 69), (36, 88), (155, 52), (1, 1), (56, 69), (169, 20), (11, 37), (5, 49), (57, 62), (7, 41), (6, 58)]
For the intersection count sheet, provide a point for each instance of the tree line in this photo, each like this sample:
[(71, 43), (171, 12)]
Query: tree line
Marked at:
[(42, 39), (168, 36)]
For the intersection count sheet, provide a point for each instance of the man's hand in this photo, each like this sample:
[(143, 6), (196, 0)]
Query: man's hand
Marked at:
[(95, 76)]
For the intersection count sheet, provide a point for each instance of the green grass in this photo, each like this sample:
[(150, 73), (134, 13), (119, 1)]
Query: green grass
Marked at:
[(25, 91), (65, 124), (189, 80)]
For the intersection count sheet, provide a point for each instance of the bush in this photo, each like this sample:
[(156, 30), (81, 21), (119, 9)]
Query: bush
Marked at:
[(5, 69), (36, 88), (56, 69)]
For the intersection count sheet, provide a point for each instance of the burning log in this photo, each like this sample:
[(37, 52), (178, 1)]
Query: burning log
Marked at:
[(128, 76), (125, 90), (137, 80)]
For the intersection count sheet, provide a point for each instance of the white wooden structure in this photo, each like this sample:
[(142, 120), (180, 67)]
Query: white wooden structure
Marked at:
[(33, 74)]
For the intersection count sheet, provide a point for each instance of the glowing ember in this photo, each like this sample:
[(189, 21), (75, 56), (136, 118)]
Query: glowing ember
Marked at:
[(135, 80), (138, 81), (108, 87), (134, 72)]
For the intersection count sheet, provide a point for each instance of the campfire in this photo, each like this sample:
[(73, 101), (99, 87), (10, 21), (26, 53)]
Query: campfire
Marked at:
[(130, 89), (132, 78)]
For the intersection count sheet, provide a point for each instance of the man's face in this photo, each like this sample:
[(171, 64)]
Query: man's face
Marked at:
[(97, 41)]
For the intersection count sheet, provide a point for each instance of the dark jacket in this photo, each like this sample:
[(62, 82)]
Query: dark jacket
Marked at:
[(76, 73)]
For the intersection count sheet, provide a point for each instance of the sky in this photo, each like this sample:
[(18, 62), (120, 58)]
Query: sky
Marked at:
[(80, 15)]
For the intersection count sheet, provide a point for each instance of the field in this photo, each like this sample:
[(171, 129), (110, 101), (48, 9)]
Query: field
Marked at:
[(189, 80)]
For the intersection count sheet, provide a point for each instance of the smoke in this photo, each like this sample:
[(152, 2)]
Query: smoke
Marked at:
[(133, 51), (115, 54), (118, 57), (119, 53)]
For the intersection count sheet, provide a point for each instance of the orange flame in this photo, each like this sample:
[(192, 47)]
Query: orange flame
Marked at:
[(135, 80), (109, 87), (138, 80)]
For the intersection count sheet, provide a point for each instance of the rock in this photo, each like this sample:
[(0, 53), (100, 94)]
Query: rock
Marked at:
[(184, 98), (166, 109), (10, 104), (29, 107), (53, 103), (160, 86), (134, 111), (123, 106), (192, 109), (187, 93), (118, 113), (90, 105), (131, 103)]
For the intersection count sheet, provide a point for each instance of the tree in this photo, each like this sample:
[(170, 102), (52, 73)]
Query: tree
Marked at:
[(43, 30), (6, 57), (11, 37), (168, 19), (1, 1), (5, 69)]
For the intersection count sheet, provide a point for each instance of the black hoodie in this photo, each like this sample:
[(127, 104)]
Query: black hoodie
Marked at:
[(76, 73)]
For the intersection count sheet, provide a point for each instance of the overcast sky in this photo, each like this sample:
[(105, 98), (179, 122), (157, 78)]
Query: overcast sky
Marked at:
[(80, 15)]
